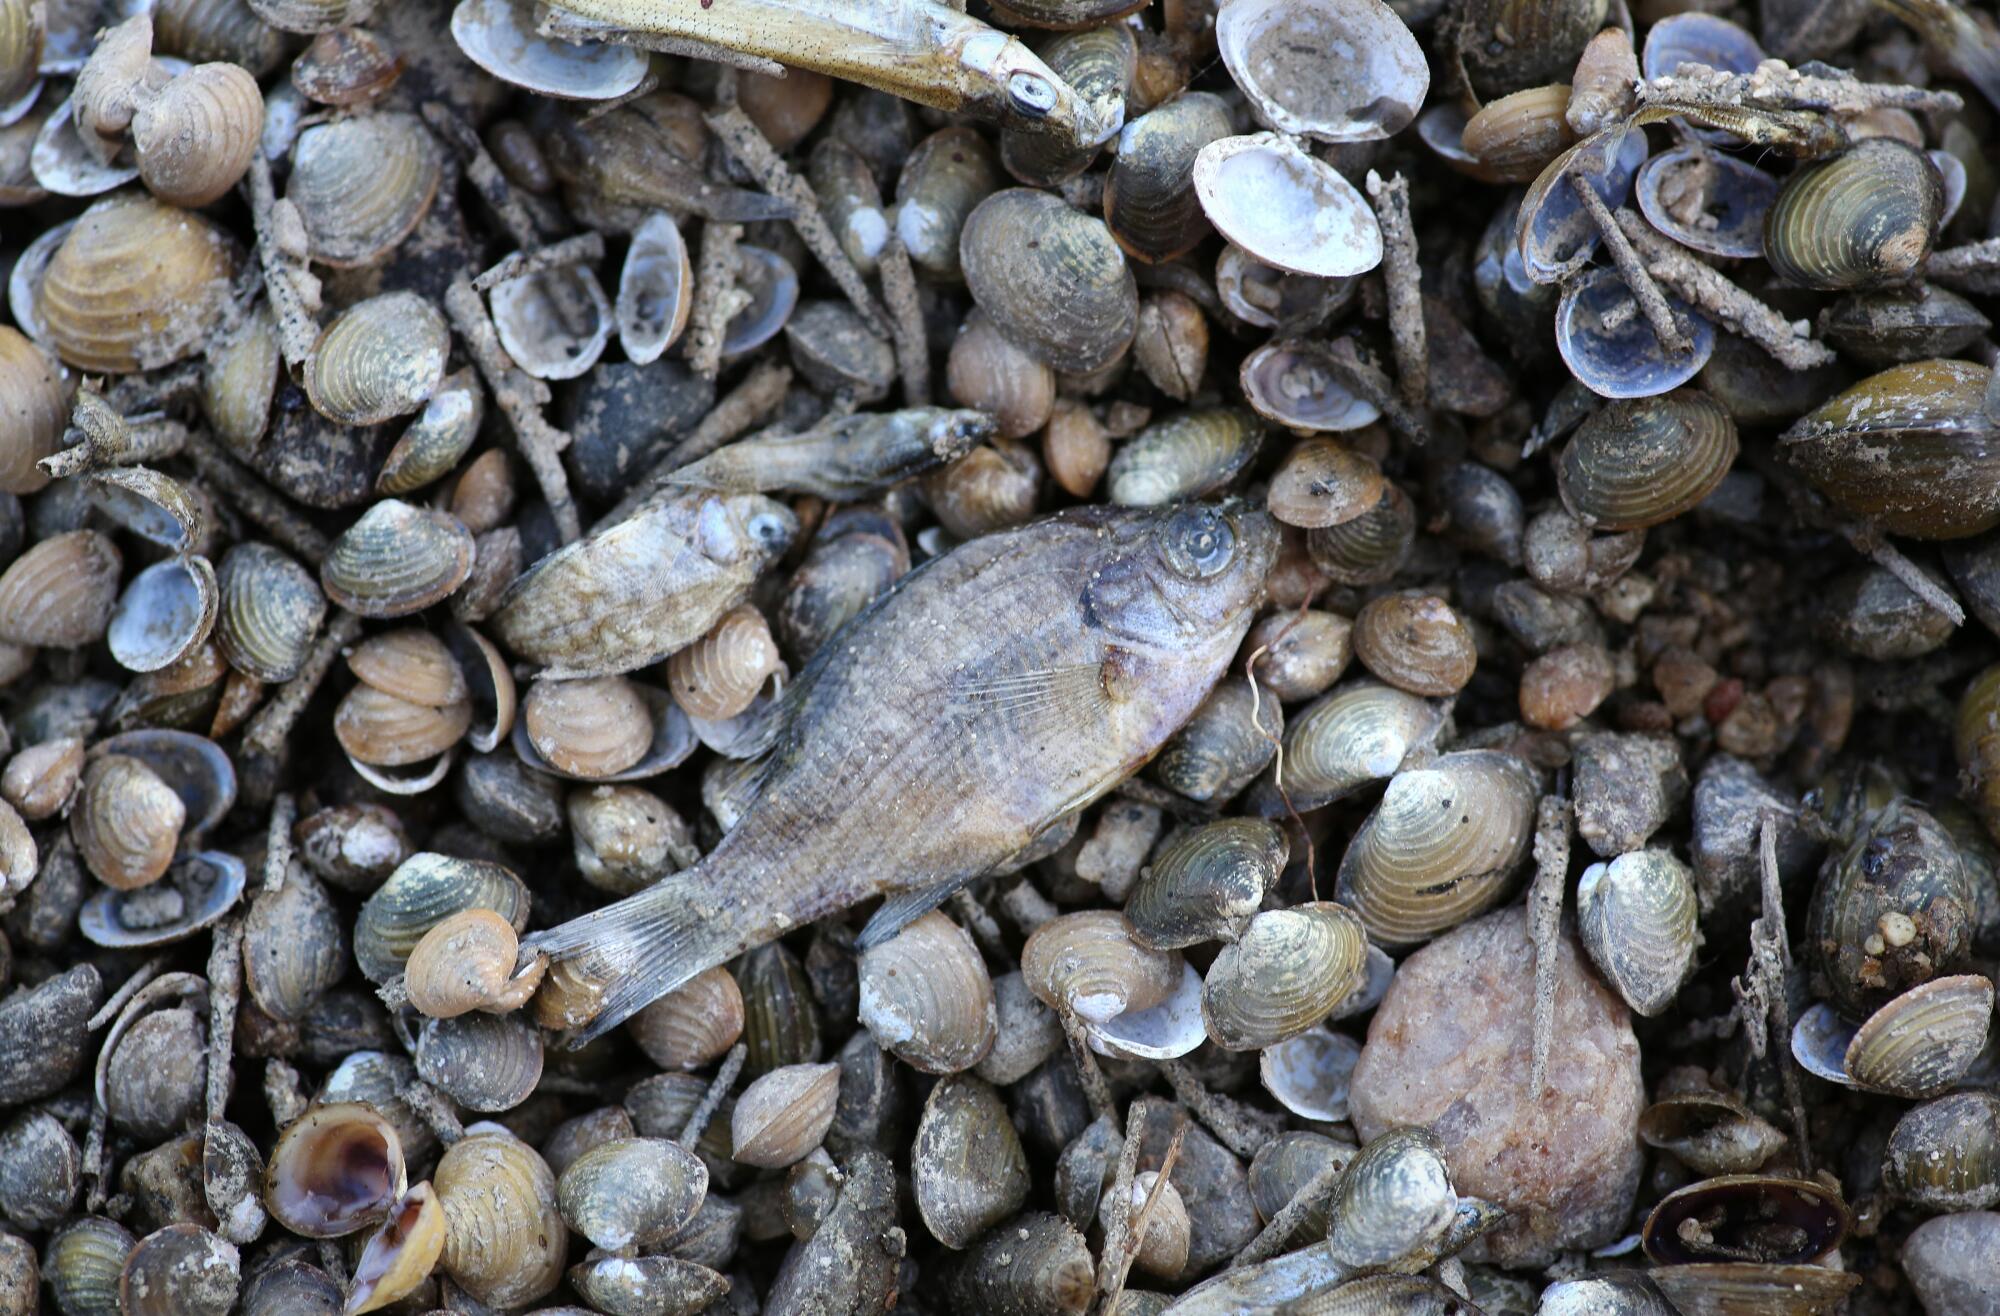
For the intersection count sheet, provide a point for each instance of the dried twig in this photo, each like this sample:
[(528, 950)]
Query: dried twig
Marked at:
[(282, 1092), (1707, 291), (1242, 1129), (521, 398), (1870, 541), (1640, 284), (272, 726), (428, 1105), (1116, 1227), (1403, 280), (483, 172), (133, 985), (100, 436), (1095, 1089), (716, 297), (254, 499), (1545, 907), (225, 986), (281, 251), (1760, 993), (1315, 1193), (1365, 380), (1774, 85), (278, 840), (1973, 267), (906, 319), (583, 249), (982, 925), (725, 1078), (1133, 1236)]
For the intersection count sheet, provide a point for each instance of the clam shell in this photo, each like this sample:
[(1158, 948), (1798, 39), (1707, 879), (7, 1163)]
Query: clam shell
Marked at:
[(1166, 1031), (1623, 358), (1886, 328), (1286, 973), (1149, 203), (1441, 847), (22, 27), (1785, 1221), (136, 285), (647, 1283), (1639, 463), (1309, 1072), (335, 1170), (1865, 218), (1322, 482), (425, 890), (1945, 1154), (1730, 1287), (655, 290), (1415, 642), (362, 184), (1711, 1132), (196, 138), (310, 16), (1917, 1045), (592, 729), (438, 438), (1206, 883), (149, 504), (60, 593), (1183, 457), (631, 1192), (554, 324), (83, 1261), (505, 1241), (1099, 64), (489, 682), (1265, 296), (1637, 917), (166, 611), (692, 1025), (1693, 37), (379, 359), (1395, 1201), (270, 610), (1707, 200), (485, 1062), (967, 1166), (195, 893), (63, 164), (1052, 279), (835, 351), (927, 998), (1091, 963), (1286, 207), (194, 766), (499, 36), (782, 1116), (1335, 70), (1287, 382), (240, 381), (385, 731), (987, 371), (37, 392), (400, 1255), (1555, 235), (294, 947), (1514, 138), (1357, 733), (397, 560), (940, 185), (773, 288)]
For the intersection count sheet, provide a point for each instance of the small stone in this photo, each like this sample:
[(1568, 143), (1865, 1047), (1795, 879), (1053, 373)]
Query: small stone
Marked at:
[(1730, 800), (1953, 1262), (1450, 1049), (1111, 858), (1565, 685), (1683, 681), (1626, 789), (1540, 620)]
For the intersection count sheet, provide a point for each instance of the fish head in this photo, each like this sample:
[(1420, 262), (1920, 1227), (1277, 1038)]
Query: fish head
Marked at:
[(744, 527), (1183, 577), (1007, 82)]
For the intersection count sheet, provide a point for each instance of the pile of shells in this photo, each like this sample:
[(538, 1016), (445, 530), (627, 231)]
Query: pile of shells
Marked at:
[(803, 656)]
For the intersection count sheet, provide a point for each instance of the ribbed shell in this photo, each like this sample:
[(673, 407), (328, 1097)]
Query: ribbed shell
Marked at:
[(1911, 449), (967, 1165), (137, 284), (593, 727), (126, 822), (82, 1263), (1223, 747), (410, 664), (1206, 883), (310, 16), (987, 370), (631, 1191), (271, 608), (1515, 137), (362, 184), (505, 1241), (1395, 1200), (217, 30), (34, 406), (1945, 1154), (719, 675), (1730, 1287), (396, 560), (1052, 278), (1510, 44), (927, 998), (1440, 848), (384, 731), (424, 890), (1637, 918), (1641, 461), (22, 24), (1323, 482), (1184, 456), (994, 486), (1370, 548), (240, 380), (1288, 971), (485, 1062), (692, 1025), (379, 359), (1865, 218), (1355, 734), (1922, 1042), (294, 947), (1039, 1263), (440, 435), (1149, 200), (196, 138), (1415, 642), (60, 593), (1091, 963), (1098, 63), (783, 1115)]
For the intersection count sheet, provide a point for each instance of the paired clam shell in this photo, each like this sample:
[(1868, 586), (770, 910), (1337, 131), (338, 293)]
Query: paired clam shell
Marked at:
[(423, 892), (1285, 974), (1917, 1045), (1637, 917), (1865, 218)]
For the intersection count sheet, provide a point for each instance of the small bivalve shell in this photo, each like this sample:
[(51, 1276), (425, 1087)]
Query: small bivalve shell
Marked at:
[(1355, 734), (721, 674), (692, 1025), (1290, 383), (362, 184), (1865, 218), (1395, 1202), (438, 438), (1038, 1263), (335, 1170), (1166, 1031), (658, 1283), (400, 1255), (484, 1062), (1183, 457), (773, 288), (181, 1270), (940, 185), (35, 399), (1369, 549), (397, 559), (136, 285), (1613, 351), (1206, 882), (294, 947), (64, 162), (466, 963), (926, 997), (1642, 462), (505, 1242), (195, 139), (1090, 962), (1917, 1045), (22, 37), (1710, 1132), (1298, 655), (1148, 203), (347, 68), (270, 610), (1052, 279), (1286, 207), (195, 892), (240, 380), (1729, 1288), (40, 779), (1945, 1154), (1265, 296), (986, 370), (1335, 70), (423, 892), (127, 822), (1707, 200), (655, 289), (166, 611), (1735, 1214), (1891, 326), (554, 324), (967, 1165), (1283, 976), (1555, 235), (784, 1115), (1637, 918), (1163, 1249), (1322, 482), (1440, 848), (82, 1263), (1309, 1073), (1514, 138), (1415, 642), (634, 1192), (499, 36), (593, 728), (311, 16), (1223, 747), (378, 359)]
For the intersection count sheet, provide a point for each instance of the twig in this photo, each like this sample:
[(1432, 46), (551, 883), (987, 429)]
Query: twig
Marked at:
[(1774, 85), (1241, 1128), (1365, 380), (94, 1167), (427, 1105), (272, 725), (154, 390), (1315, 1193), (282, 1092), (1133, 1236), (103, 438), (1760, 994), (281, 248), (747, 143), (1701, 287), (1404, 282), (1118, 1225), (1027, 906), (750, 401), (521, 399), (725, 1078), (1871, 542), (254, 499), (984, 929), (717, 299), (225, 987), (135, 984), (1545, 909), (1639, 283), (906, 320), (484, 173), (1095, 1089), (278, 840), (583, 249)]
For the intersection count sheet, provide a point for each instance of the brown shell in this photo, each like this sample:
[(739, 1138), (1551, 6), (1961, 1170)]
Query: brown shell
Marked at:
[(593, 727), (137, 284), (784, 1115), (927, 998), (1091, 963), (986, 370), (411, 664), (1323, 482), (196, 138), (127, 822), (1415, 642), (34, 409), (466, 963), (381, 730), (692, 1025), (60, 593), (720, 675), (362, 184)]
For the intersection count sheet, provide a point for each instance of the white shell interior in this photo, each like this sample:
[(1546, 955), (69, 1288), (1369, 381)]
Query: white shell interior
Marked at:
[(654, 290), (1337, 70), (1167, 1031), (1286, 207), (166, 610), (1308, 1074), (531, 318), (500, 37)]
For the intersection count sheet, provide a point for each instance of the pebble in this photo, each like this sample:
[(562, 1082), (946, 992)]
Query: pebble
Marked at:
[(1953, 1261), (1450, 1048), (1626, 789), (1730, 798)]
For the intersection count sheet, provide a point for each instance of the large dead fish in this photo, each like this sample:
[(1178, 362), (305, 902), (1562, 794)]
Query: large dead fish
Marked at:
[(991, 694)]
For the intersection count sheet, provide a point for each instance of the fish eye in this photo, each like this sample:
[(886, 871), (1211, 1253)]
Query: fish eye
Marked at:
[(1031, 95), (1198, 542)]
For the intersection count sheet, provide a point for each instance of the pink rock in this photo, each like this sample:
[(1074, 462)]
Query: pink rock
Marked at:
[(1450, 1049)]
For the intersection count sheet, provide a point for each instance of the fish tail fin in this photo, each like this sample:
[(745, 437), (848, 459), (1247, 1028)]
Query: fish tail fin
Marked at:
[(640, 948)]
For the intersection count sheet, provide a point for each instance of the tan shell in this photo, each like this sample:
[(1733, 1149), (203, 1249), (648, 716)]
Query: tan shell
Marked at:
[(379, 359), (466, 963), (438, 438), (1076, 447), (1287, 972), (1922, 1042), (396, 560), (270, 610), (422, 892), (400, 1255), (346, 67), (411, 664), (784, 1115), (40, 779), (127, 822), (335, 1170), (1172, 343), (34, 404), (22, 24), (240, 380), (627, 838), (1323, 482), (362, 184), (994, 486), (1163, 1248), (110, 84), (1415, 642), (590, 728), (137, 284), (927, 998), (1090, 962), (1637, 917), (967, 1166), (217, 30), (655, 290), (382, 730), (195, 139), (692, 1025), (986, 370), (1516, 136), (505, 1242), (720, 675), (1299, 655), (310, 16)]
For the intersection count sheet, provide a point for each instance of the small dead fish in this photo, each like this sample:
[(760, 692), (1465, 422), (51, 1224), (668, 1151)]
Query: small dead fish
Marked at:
[(634, 592), (921, 50), (623, 157), (843, 459), (992, 693), (1384, 1295)]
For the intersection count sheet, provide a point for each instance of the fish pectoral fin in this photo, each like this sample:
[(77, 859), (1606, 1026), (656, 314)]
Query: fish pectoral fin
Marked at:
[(1084, 693), (903, 908)]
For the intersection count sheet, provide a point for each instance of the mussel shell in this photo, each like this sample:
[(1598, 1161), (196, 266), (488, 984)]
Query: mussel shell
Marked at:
[(166, 611), (398, 559), (1149, 203), (1206, 882), (485, 1062), (1911, 449), (1288, 382), (1283, 976), (1734, 197), (362, 184), (1185, 456), (1555, 235), (499, 36), (1625, 360), (1637, 917), (655, 290), (425, 890), (1864, 219), (1287, 207), (1051, 278), (438, 438), (1335, 70), (378, 359), (137, 284), (1779, 1221), (1641, 462), (195, 893)]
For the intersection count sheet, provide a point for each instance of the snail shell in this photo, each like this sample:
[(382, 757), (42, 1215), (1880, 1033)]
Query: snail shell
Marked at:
[(1091, 963), (136, 285), (1288, 971), (425, 890), (61, 592), (1865, 218), (397, 559), (1052, 279), (1637, 917), (1440, 847), (967, 1165), (1184, 456), (505, 1242), (784, 1114), (1415, 642), (195, 139), (1945, 1154), (1639, 462), (1149, 203), (485, 1062), (362, 185), (335, 1170), (1369, 549), (466, 963), (1163, 1249), (270, 610), (927, 998), (988, 371), (1076, 447), (942, 182), (631, 1191), (1206, 883), (379, 359), (35, 398), (399, 1256), (127, 822), (720, 675), (692, 1025)]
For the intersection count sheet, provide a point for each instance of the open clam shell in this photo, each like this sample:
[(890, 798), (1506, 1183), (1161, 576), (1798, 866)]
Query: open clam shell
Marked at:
[(655, 290), (489, 680), (165, 611), (1166, 1031), (194, 766), (1309, 1073), (153, 506), (1611, 348), (554, 324), (1917, 1045), (672, 741), (24, 281), (499, 36), (1706, 200), (1555, 232), (1693, 37), (195, 893), (1286, 207), (1267, 297), (773, 287), (64, 165), (1781, 1221), (1335, 70), (1289, 383)]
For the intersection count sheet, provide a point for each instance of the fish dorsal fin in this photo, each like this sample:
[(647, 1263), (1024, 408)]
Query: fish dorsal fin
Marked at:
[(903, 908), (1082, 694)]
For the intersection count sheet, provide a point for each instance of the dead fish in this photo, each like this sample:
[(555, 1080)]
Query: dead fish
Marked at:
[(624, 157), (845, 458), (992, 693), (921, 50), (634, 592)]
